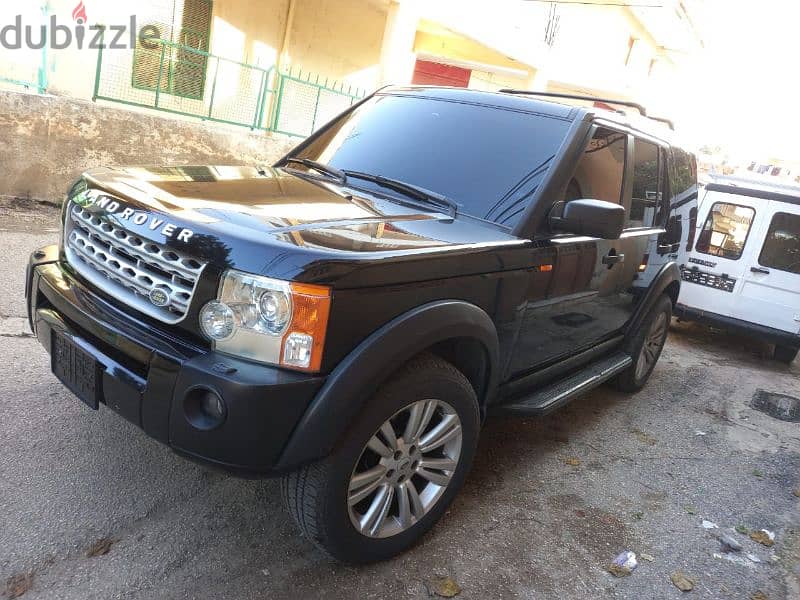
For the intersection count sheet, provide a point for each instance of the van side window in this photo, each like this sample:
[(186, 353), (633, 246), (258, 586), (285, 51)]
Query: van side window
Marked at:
[(600, 169), (725, 230), (782, 247), (647, 195)]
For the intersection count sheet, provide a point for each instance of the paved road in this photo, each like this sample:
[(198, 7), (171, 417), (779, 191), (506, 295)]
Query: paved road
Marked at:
[(528, 525)]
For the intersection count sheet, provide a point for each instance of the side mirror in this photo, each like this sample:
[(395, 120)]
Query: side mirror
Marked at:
[(593, 218)]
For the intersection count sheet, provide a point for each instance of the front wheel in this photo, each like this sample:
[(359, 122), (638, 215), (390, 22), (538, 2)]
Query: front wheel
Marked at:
[(645, 347), (396, 470)]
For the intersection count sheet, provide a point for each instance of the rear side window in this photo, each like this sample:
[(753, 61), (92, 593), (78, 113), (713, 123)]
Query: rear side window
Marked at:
[(725, 231), (782, 247), (647, 195), (600, 169)]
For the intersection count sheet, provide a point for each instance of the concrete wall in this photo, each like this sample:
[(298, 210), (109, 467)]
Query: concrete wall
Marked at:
[(49, 141)]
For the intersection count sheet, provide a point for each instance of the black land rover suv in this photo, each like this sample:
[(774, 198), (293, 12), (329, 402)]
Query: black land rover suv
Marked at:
[(347, 318)]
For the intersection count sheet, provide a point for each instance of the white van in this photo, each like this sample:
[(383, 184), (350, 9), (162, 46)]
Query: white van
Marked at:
[(743, 271)]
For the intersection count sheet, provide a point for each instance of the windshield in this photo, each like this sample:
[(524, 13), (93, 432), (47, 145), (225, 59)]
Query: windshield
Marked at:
[(488, 160)]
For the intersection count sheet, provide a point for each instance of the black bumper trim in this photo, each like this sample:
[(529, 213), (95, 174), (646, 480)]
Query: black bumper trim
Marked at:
[(146, 376)]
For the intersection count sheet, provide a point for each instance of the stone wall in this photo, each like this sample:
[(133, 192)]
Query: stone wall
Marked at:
[(47, 141)]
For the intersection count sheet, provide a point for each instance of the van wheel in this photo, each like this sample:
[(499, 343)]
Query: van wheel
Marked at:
[(395, 471), (785, 354), (645, 347)]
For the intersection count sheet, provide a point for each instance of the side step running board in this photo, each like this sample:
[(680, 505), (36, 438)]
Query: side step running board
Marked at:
[(555, 395)]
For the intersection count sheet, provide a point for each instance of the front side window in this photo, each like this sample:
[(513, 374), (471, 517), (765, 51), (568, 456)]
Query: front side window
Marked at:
[(647, 196), (600, 169), (725, 231), (782, 247), (489, 160)]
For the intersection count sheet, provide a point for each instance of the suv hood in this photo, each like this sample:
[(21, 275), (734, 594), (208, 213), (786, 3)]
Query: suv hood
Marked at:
[(248, 218)]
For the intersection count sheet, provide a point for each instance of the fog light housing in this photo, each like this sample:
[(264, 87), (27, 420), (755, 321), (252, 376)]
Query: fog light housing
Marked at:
[(204, 408)]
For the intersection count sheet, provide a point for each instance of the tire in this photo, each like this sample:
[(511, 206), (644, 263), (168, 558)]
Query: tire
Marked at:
[(645, 347), (785, 354), (323, 498)]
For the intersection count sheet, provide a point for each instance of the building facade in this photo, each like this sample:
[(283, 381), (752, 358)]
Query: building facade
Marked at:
[(289, 65)]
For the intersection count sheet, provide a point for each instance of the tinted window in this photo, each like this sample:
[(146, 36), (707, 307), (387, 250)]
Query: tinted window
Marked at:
[(647, 194), (599, 172), (489, 160), (725, 231), (682, 172), (782, 247)]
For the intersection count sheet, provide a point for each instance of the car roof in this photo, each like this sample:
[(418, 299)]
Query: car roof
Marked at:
[(755, 188), (521, 103), (551, 107)]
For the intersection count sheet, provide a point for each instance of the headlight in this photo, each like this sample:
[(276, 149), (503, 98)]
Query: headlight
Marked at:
[(268, 320)]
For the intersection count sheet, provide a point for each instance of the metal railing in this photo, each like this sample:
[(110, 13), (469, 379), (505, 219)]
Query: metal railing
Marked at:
[(29, 73), (182, 80), (178, 79), (303, 103)]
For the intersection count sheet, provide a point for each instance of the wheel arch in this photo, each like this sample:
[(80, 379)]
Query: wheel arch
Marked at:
[(667, 281), (457, 331)]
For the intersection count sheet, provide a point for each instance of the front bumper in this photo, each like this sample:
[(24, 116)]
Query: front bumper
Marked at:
[(146, 374)]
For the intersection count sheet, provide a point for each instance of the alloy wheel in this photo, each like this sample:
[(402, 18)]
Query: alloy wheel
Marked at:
[(404, 468), (651, 348)]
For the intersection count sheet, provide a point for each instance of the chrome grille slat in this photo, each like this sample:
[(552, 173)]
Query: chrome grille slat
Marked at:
[(115, 273), (172, 266), (128, 266)]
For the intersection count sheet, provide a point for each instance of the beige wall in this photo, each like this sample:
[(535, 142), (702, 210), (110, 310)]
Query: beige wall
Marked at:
[(49, 141), (250, 32), (340, 39)]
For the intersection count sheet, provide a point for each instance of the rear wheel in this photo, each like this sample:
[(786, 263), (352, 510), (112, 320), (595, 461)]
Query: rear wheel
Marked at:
[(646, 346), (396, 470), (785, 354)]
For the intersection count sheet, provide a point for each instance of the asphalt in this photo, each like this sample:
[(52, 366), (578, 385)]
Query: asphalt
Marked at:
[(547, 507)]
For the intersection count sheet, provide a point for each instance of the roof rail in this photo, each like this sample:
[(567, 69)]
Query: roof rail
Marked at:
[(642, 110), (669, 122)]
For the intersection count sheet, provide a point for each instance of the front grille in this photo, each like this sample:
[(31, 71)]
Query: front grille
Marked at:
[(130, 268)]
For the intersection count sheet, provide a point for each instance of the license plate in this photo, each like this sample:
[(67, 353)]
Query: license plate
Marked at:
[(76, 369)]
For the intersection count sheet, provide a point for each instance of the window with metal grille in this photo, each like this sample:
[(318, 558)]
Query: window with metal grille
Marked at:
[(177, 62)]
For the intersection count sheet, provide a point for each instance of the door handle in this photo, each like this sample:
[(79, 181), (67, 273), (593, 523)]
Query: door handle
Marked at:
[(759, 270), (613, 259), (668, 248)]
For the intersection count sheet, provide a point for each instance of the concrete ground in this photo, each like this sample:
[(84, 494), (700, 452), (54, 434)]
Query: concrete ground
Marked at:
[(547, 506)]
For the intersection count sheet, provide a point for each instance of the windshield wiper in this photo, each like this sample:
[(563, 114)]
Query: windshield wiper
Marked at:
[(408, 189), (318, 166)]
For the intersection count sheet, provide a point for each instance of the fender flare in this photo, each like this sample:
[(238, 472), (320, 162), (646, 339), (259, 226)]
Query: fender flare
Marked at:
[(358, 376), (667, 275)]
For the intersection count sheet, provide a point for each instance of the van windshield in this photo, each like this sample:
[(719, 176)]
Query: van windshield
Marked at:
[(488, 160)]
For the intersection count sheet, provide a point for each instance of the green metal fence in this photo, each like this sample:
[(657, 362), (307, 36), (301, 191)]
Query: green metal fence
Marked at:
[(303, 103), (182, 80), (28, 69)]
